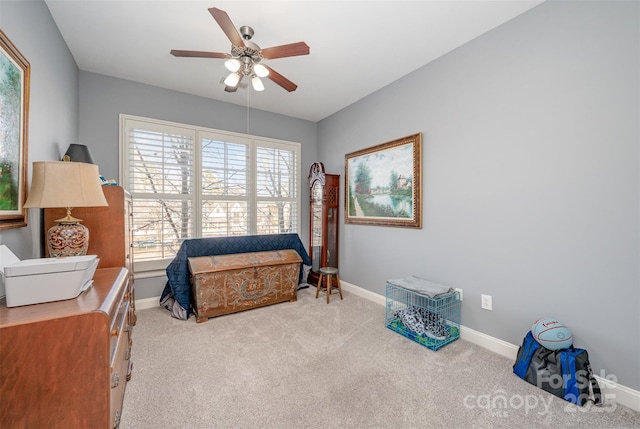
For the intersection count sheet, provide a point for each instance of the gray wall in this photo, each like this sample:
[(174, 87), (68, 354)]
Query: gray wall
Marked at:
[(53, 104), (530, 178), (103, 99)]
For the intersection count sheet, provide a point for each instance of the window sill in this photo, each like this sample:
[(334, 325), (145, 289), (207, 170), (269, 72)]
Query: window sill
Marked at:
[(149, 274)]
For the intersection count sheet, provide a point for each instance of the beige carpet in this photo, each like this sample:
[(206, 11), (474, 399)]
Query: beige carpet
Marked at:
[(311, 365)]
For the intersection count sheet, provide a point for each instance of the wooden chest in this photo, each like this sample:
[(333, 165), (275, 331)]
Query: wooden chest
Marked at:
[(226, 284)]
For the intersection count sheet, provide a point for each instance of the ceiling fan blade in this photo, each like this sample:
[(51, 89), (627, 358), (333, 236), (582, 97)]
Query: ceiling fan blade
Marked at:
[(198, 54), (290, 50), (281, 80), (227, 26)]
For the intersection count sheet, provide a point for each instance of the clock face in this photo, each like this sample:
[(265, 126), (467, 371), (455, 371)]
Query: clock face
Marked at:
[(316, 193)]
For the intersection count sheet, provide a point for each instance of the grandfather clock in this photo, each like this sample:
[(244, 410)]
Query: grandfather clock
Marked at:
[(324, 195)]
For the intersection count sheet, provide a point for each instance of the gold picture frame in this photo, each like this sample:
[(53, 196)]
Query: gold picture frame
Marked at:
[(383, 184), (15, 73)]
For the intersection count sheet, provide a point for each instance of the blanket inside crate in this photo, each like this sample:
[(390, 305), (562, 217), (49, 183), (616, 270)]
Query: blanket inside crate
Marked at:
[(423, 322), (176, 296)]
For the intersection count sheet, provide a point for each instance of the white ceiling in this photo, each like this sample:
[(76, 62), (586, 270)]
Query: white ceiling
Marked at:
[(357, 47)]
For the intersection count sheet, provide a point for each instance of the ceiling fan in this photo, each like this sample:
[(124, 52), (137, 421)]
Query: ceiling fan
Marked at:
[(245, 56)]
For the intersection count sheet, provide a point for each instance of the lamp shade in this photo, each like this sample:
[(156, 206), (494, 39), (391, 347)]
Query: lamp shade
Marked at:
[(232, 64), (260, 70), (232, 80), (257, 84), (78, 153), (58, 184)]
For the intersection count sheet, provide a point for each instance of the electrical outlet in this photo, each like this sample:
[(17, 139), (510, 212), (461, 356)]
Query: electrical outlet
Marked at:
[(486, 302), (460, 292)]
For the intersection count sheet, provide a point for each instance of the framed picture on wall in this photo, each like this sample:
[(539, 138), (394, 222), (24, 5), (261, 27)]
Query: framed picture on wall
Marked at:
[(382, 184), (14, 113)]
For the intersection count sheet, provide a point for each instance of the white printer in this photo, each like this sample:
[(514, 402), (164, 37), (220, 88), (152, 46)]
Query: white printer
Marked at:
[(34, 281)]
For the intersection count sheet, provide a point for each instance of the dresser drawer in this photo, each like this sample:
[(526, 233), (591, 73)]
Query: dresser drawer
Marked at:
[(120, 356), (119, 325), (118, 382)]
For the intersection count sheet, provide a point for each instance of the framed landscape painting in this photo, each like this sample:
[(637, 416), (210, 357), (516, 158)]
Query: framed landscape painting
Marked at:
[(14, 110), (382, 184)]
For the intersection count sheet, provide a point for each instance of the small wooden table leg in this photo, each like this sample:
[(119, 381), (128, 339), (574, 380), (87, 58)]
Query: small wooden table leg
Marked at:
[(328, 286), (318, 286)]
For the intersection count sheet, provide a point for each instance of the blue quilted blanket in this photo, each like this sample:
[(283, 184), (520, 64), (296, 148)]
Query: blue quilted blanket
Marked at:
[(176, 296)]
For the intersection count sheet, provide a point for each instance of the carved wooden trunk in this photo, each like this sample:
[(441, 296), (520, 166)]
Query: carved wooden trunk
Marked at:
[(226, 284)]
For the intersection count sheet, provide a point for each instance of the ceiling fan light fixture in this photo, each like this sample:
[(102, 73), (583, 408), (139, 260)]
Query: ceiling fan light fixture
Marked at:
[(260, 70), (245, 55), (232, 80), (232, 64), (257, 84)]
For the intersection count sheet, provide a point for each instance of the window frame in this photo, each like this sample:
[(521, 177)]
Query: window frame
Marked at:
[(197, 198)]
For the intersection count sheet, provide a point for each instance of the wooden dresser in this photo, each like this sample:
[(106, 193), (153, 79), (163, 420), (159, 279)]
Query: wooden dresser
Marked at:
[(65, 364)]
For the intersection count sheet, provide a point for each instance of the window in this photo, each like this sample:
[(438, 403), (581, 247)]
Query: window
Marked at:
[(190, 182)]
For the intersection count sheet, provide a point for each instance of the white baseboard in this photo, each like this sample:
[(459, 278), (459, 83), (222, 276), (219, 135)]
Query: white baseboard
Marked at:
[(612, 391), (142, 304), (496, 345), (357, 290)]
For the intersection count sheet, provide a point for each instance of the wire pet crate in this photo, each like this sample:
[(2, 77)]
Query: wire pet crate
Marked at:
[(431, 322)]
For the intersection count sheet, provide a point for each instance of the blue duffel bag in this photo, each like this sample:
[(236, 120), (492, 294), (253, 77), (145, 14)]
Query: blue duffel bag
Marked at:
[(564, 373)]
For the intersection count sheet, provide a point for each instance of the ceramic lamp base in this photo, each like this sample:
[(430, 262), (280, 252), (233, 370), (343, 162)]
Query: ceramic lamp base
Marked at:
[(68, 239)]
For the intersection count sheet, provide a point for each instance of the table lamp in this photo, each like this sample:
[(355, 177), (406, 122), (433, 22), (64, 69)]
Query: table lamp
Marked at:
[(66, 184), (77, 153)]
